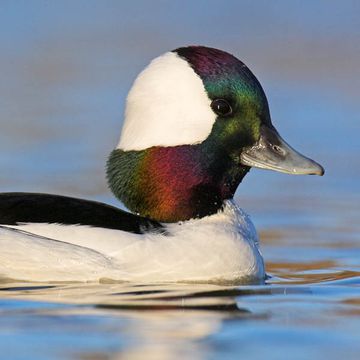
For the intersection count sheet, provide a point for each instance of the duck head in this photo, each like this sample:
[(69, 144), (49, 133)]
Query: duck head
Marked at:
[(196, 121)]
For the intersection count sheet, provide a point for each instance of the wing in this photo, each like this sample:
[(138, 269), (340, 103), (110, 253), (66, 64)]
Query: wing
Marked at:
[(30, 257), (17, 208)]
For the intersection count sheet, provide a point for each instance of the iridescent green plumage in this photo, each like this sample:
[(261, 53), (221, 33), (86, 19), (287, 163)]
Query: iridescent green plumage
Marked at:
[(183, 182), (177, 183)]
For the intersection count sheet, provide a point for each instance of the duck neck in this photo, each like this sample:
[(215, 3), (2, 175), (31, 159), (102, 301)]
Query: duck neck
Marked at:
[(171, 184)]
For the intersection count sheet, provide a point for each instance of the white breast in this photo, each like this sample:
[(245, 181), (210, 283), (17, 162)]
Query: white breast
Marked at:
[(166, 106), (218, 248)]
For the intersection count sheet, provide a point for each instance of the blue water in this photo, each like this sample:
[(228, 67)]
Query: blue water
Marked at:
[(65, 70)]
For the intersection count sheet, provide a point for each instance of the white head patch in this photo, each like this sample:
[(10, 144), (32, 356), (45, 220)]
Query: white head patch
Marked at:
[(166, 106)]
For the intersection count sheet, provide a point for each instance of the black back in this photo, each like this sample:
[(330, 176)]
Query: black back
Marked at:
[(16, 208)]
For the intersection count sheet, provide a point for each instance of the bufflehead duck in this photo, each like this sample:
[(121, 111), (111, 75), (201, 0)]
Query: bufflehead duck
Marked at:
[(196, 121)]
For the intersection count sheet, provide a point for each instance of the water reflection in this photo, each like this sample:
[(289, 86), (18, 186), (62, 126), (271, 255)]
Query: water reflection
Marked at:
[(131, 296), (134, 310), (123, 320)]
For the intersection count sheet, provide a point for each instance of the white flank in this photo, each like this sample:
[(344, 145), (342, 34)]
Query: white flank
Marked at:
[(166, 106), (218, 248)]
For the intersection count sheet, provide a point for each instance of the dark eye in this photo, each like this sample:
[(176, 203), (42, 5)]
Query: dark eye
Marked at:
[(221, 107)]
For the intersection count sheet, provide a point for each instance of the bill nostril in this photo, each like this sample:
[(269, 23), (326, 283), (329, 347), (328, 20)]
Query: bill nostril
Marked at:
[(279, 150)]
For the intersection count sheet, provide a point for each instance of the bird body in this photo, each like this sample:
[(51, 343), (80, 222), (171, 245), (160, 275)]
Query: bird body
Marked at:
[(218, 248), (196, 121)]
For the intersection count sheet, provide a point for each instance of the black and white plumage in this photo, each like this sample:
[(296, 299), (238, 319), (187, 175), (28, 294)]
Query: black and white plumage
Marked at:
[(174, 102), (32, 208)]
